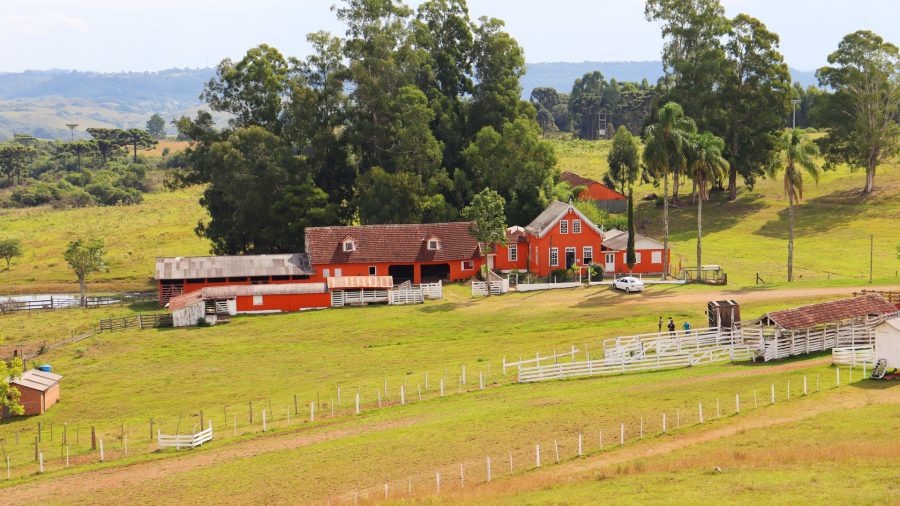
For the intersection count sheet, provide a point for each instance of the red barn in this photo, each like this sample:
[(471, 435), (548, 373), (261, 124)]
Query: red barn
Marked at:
[(605, 197), (418, 253), (177, 275), (560, 237), (648, 254)]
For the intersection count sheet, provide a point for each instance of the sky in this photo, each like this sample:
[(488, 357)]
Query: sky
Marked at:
[(141, 35)]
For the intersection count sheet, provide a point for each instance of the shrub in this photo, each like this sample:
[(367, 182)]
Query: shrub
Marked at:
[(596, 271), (559, 275)]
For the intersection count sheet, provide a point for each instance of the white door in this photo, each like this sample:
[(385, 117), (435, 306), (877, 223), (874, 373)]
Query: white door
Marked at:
[(610, 263)]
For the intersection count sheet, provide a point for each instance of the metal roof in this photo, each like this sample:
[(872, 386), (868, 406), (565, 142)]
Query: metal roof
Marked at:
[(231, 291), (288, 264), (37, 380), (619, 241), (830, 312), (344, 282)]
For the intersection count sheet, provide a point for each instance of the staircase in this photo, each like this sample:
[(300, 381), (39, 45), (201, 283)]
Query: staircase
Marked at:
[(880, 369)]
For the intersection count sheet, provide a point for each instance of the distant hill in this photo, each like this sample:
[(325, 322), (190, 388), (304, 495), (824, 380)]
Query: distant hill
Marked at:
[(42, 102), (561, 75)]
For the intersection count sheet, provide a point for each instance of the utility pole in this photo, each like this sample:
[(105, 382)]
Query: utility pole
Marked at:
[(795, 102), (72, 127)]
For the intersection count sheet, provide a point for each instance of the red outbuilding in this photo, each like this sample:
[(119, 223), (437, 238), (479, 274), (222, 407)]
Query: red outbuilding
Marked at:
[(604, 196), (418, 253), (648, 254)]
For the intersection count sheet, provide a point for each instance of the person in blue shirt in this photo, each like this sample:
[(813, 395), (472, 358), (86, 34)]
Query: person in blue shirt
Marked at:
[(686, 326)]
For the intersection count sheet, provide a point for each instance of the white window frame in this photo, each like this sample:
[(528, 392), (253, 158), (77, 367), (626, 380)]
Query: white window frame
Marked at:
[(587, 251), (513, 253), (349, 246), (576, 226), (337, 272), (436, 243), (470, 267), (563, 226), (656, 257), (610, 258), (373, 270), (554, 252), (326, 273), (257, 300), (637, 257)]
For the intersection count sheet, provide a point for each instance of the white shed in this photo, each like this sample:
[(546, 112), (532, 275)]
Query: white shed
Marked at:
[(887, 343)]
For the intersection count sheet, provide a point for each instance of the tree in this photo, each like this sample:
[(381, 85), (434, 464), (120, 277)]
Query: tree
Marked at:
[(862, 113), (85, 257), (793, 150), (624, 160), (9, 249), (156, 126), (13, 160), (630, 256), (754, 98), (517, 164), (9, 394), (109, 141), (664, 152), (705, 163), (486, 212), (138, 138), (499, 64), (390, 198)]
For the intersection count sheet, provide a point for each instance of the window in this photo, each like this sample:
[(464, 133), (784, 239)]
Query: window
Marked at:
[(297, 277), (326, 273), (656, 257), (257, 300), (513, 253), (576, 226), (610, 258), (637, 257), (468, 265), (563, 226), (554, 257), (434, 244), (259, 280), (349, 245), (281, 278), (337, 273), (587, 255), (372, 270), (237, 279), (215, 280)]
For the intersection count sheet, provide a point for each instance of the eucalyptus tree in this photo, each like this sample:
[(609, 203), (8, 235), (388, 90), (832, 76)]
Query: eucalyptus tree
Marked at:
[(795, 155)]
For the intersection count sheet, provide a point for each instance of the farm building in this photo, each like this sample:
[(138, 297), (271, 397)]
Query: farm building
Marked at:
[(559, 238), (211, 302), (418, 253), (39, 390), (840, 325), (178, 275), (648, 254), (604, 196), (887, 343)]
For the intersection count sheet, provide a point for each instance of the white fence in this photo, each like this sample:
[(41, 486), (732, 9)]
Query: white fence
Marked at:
[(480, 288), (184, 441), (860, 356), (341, 298), (537, 359), (530, 287), (411, 295), (433, 291)]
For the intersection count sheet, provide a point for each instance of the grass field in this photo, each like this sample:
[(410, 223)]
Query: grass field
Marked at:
[(122, 380)]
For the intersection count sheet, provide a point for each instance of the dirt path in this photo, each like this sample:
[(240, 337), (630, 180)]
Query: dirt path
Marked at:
[(74, 485), (579, 470), (744, 295)]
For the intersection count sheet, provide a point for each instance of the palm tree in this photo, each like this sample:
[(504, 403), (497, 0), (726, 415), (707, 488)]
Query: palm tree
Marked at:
[(791, 150), (664, 151), (705, 163)]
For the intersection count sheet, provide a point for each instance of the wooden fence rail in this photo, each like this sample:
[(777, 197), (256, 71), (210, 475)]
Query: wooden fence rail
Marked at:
[(51, 303), (184, 441), (139, 321)]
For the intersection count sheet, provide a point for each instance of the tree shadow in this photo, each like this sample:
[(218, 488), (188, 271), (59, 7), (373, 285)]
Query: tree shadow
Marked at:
[(718, 214), (817, 215), (611, 297)]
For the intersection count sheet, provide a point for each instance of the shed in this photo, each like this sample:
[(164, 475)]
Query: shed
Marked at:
[(604, 196), (887, 343), (39, 390)]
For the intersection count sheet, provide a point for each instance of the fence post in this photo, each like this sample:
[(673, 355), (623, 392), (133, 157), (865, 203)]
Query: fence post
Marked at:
[(621, 434), (642, 428), (41, 462), (264, 419), (488, 469), (789, 390), (463, 374), (101, 450), (402, 395), (437, 480), (556, 445), (664, 423), (537, 455), (601, 440), (701, 412), (510, 462), (737, 403), (357, 403), (773, 393), (580, 443), (462, 476), (312, 411), (480, 380), (837, 375), (804, 385), (442, 387)]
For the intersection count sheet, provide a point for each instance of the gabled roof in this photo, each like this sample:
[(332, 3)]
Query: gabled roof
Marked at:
[(391, 243), (576, 180), (36, 379), (550, 216), (618, 240), (516, 234), (830, 312), (288, 264)]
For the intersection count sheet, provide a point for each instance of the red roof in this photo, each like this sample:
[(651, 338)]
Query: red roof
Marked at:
[(830, 312), (576, 180), (391, 243)]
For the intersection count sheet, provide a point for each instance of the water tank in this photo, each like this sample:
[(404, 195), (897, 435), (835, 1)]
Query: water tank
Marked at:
[(45, 368)]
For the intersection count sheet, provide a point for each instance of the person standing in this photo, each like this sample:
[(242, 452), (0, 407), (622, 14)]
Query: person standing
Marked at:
[(659, 330), (671, 326), (686, 327)]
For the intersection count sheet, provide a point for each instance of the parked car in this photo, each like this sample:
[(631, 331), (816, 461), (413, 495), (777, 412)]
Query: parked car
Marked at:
[(629, 284)]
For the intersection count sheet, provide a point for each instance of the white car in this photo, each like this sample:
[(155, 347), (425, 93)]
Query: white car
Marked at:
[(629, 284)]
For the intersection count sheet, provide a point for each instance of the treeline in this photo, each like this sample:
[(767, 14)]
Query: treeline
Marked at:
[(103, 170), (403, 119)]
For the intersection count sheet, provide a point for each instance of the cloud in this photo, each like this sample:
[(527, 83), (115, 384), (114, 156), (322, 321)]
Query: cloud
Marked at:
[(45, 23)]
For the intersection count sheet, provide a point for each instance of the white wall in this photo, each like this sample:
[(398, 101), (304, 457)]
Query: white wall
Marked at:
[(887, 345), (188, 315)]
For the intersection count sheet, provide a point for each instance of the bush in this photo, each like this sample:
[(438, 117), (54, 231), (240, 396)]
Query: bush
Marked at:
[(596, 271), (35, 195), (559, 275)]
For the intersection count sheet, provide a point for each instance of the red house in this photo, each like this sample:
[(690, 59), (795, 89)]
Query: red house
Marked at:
[(560, 237), (417, 253), (648, 254), (605, 197)]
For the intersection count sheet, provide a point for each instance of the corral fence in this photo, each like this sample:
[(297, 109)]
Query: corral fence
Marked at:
[(179, 441), (13, 305), (139, 321), (854, 356), (480, 288)]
